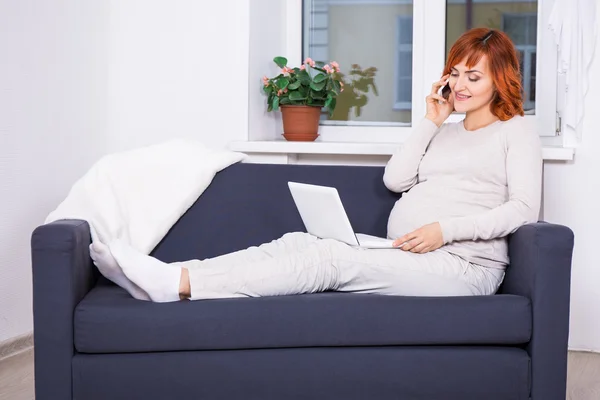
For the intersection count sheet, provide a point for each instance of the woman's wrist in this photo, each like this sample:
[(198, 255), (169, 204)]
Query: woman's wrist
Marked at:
[(432, 119)]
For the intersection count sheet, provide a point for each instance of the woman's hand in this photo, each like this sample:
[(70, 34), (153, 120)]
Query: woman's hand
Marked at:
[(437, 112), (423, 240)]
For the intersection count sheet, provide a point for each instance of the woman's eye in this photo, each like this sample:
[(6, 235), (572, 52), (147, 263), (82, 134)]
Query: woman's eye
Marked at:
[(454, 75), (473, 80)]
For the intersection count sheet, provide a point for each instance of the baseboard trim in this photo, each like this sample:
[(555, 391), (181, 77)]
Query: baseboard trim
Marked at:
[(16, 345), (582, 350)]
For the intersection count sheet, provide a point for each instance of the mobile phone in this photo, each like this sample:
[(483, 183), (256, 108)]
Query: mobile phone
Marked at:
[(444, 91)]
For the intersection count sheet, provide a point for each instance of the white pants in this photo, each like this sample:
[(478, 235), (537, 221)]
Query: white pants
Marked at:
[(301, 263)]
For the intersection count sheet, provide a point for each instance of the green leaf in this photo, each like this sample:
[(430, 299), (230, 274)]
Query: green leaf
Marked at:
[(276, 103), (295, 96), (319, 78), (268, 89), (317, 86), (329, 100), (332, 106), (337, 88), (303, 91), (270, 101), (319, 64), (284, 100), (280, 61), (295, 85), (304, 77), (282, 83)]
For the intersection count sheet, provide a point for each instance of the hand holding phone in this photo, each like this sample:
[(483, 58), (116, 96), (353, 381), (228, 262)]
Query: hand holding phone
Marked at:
[(439, 102), (444, 91)]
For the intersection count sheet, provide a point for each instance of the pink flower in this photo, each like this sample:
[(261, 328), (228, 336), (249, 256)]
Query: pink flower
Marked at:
[(310, 62), (279, 92), (335, 65), (285, 90), (328, 69), (265, 81), (302, 67)]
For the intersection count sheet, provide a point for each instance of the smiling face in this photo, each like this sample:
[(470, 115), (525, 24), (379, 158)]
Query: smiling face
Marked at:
[(472, 87)]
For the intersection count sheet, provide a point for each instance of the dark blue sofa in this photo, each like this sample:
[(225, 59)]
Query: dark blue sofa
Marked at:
[(94, 342)]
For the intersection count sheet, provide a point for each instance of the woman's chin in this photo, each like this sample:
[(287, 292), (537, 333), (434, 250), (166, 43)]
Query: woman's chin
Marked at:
[(460, 108)]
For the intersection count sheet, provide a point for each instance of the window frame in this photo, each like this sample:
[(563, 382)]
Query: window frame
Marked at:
[(429, 32)]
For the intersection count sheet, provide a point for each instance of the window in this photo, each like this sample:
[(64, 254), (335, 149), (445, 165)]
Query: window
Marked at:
[(391, 51), (372, 42), (318, 32), (403, 78), (522, 29)]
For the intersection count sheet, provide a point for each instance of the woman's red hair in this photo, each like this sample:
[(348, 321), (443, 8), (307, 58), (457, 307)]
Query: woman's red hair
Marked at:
[(503, 64)]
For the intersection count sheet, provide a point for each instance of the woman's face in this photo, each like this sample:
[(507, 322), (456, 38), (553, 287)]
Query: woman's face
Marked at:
[(473, 87)]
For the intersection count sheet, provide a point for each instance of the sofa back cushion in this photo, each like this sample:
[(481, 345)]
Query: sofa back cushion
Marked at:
[(248, 204)]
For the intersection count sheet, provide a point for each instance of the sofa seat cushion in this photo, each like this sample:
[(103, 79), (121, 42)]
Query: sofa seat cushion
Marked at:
[(108, 320)]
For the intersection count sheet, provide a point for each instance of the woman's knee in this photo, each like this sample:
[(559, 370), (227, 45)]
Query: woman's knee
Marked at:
[(335, 248), (299, 237)]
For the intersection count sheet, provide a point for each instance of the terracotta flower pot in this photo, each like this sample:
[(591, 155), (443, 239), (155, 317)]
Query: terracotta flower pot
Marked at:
[(300, 123)]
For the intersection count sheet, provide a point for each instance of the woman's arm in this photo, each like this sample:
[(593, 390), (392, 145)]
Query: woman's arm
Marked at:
[(524, 175), (401, 172), (402, 169)]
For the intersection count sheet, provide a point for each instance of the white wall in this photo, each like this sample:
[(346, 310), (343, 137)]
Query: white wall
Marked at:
[(570, 198), (52, 120), (79, 79), (177, 68), (266, 42)]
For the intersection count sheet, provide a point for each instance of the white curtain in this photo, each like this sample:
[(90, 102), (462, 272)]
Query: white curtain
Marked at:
[(574, 25)]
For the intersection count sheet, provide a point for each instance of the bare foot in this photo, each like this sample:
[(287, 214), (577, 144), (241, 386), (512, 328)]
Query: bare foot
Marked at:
[(185, 291)]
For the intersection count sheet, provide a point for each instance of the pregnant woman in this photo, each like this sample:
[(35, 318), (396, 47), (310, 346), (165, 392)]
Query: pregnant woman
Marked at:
[(466, 186)]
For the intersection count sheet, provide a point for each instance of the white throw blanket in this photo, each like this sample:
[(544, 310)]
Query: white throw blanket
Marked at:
[(136, 196)]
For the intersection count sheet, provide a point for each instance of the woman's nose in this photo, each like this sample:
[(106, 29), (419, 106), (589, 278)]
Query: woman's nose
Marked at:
[(459, 84)]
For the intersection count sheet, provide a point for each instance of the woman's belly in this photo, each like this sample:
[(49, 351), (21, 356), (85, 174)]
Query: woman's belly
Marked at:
[(426, 203)]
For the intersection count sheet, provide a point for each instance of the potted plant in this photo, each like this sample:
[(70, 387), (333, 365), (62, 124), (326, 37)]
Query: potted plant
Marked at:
[(301, 93)]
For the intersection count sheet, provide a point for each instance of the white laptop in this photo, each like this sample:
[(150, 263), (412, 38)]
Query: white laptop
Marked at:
[(324, 216)]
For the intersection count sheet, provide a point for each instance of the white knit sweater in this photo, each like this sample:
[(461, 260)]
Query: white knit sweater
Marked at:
[(479, 185)]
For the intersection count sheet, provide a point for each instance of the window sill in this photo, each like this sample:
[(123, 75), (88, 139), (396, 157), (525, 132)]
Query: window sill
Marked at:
[(549, 153)]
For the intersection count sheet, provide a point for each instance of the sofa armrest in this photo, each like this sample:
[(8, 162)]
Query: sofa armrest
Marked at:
[(540, 269), (62, 275)]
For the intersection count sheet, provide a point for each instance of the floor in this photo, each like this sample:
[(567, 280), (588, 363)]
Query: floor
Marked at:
[(583, 380)]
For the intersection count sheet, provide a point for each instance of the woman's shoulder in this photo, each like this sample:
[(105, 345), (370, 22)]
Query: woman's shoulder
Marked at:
[(519, 123), (521, 131)]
